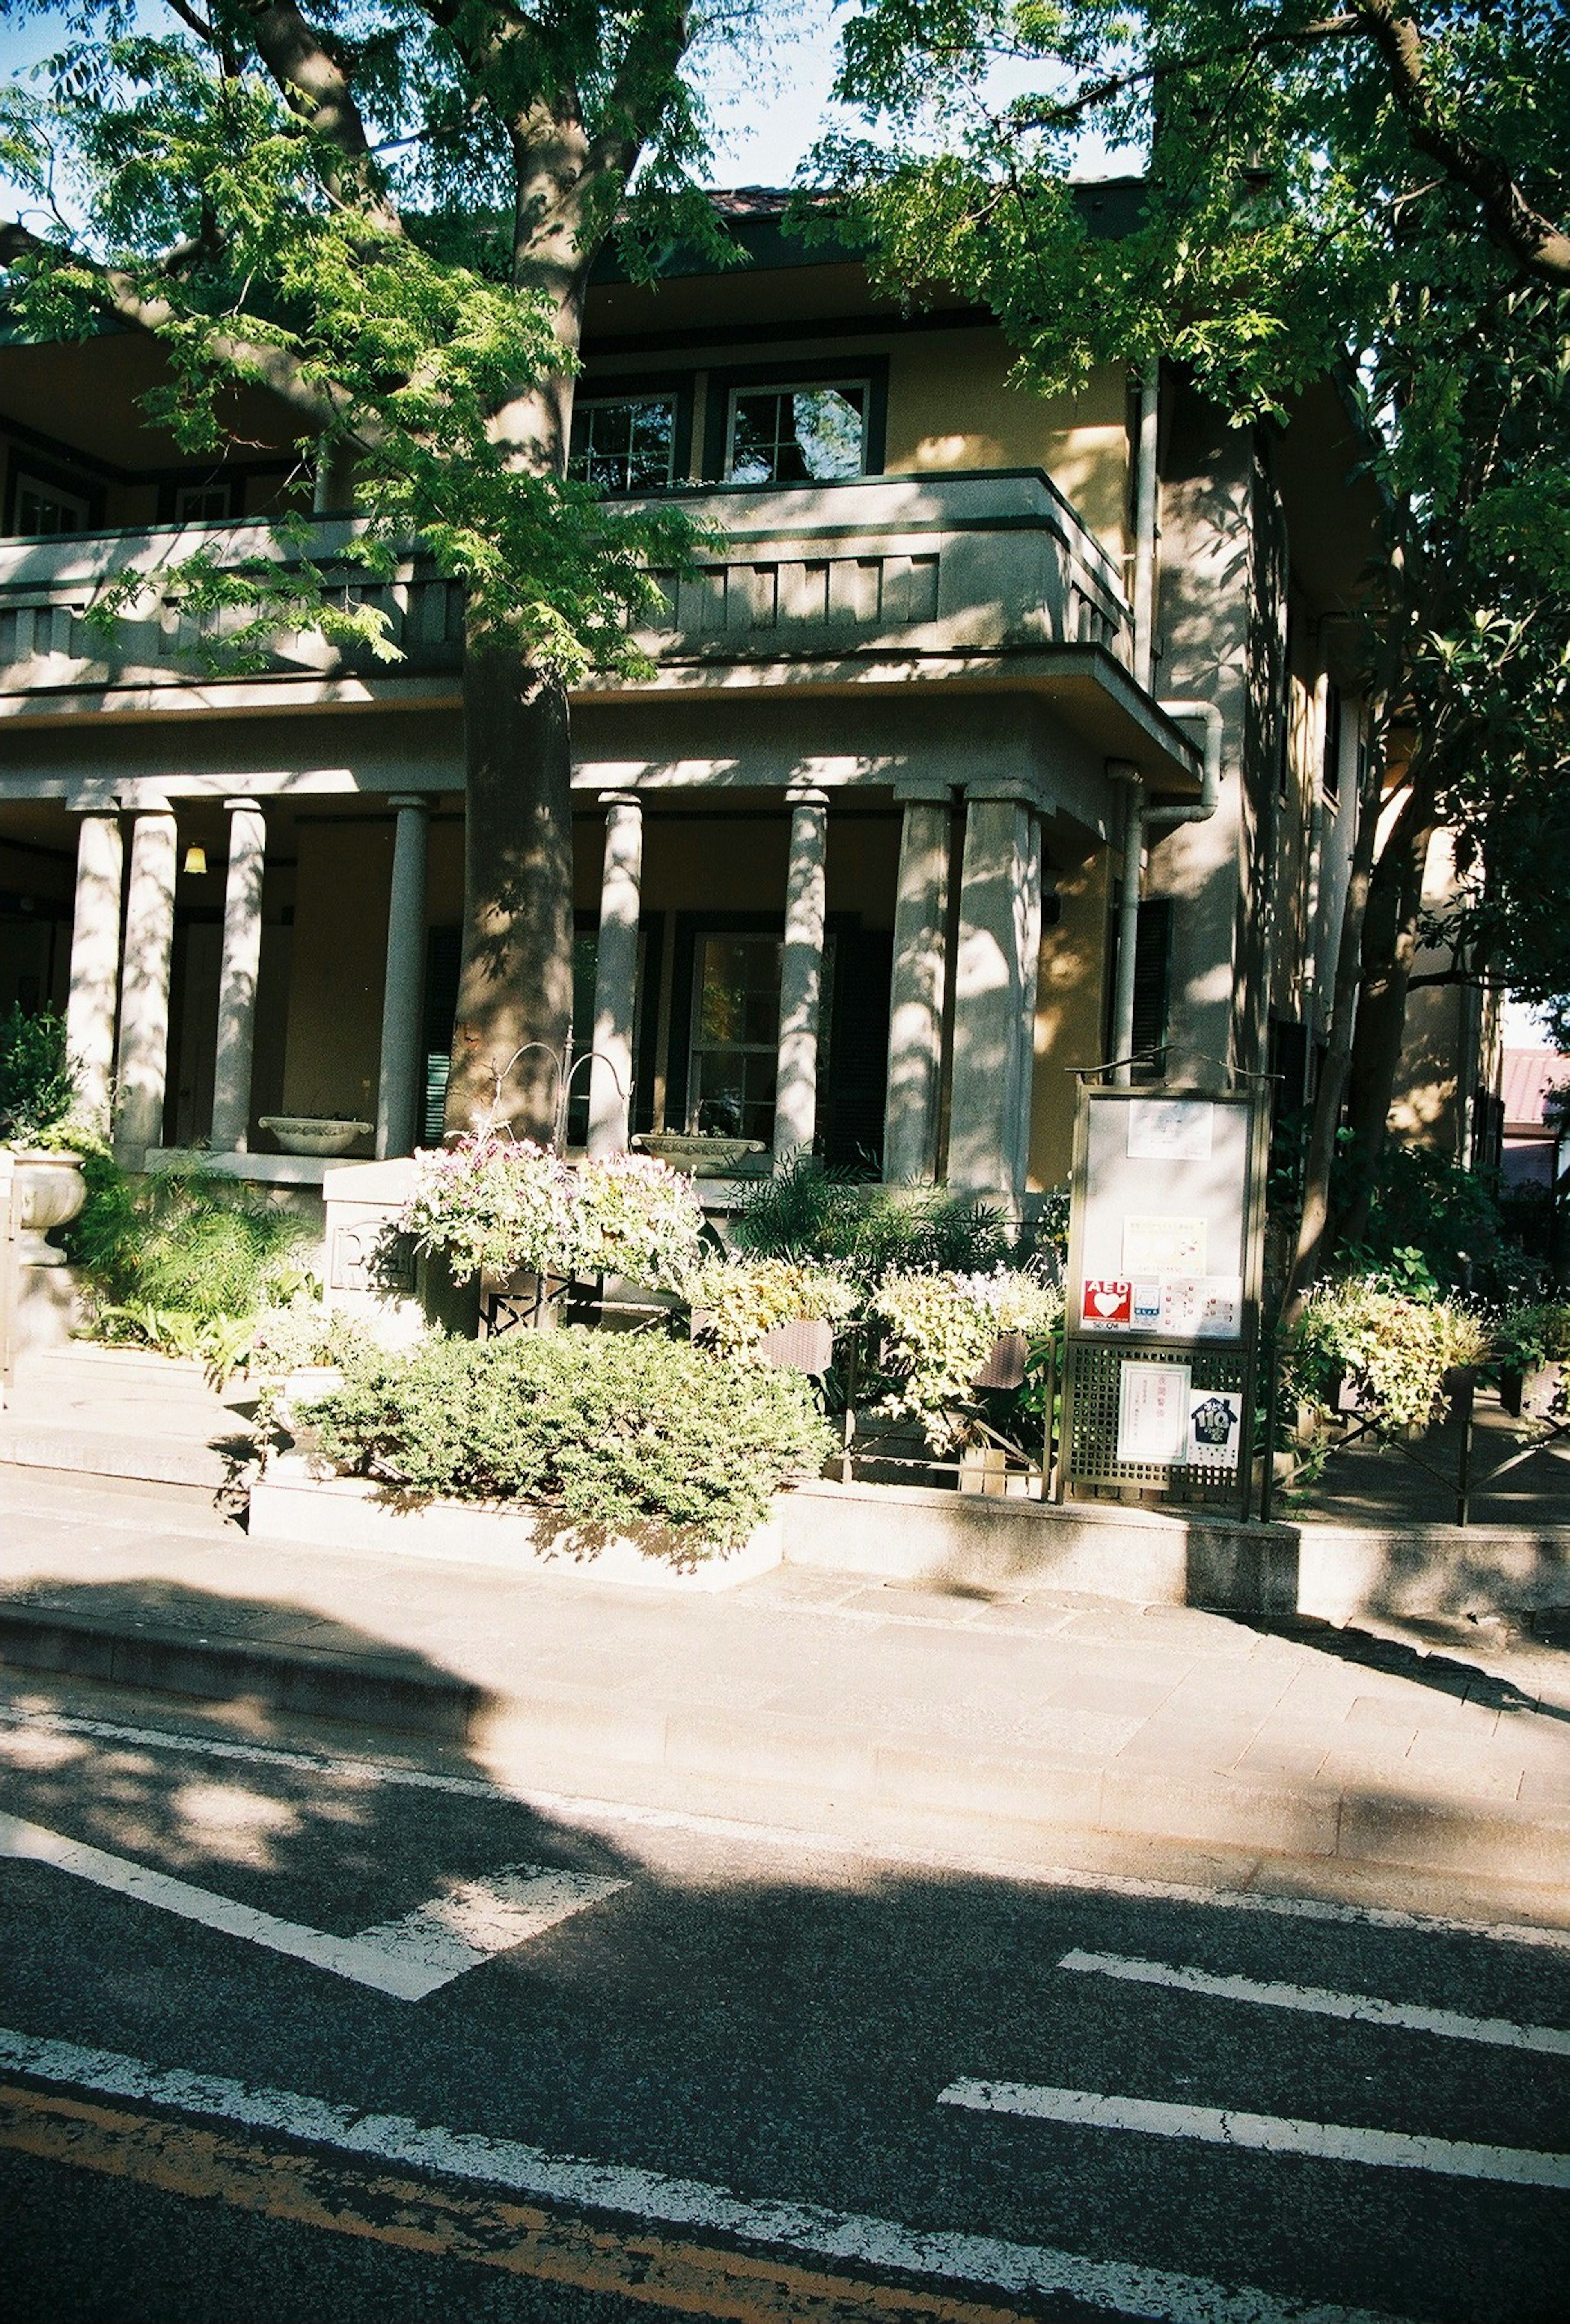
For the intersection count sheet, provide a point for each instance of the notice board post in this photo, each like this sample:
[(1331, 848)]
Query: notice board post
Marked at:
[(1165, 1244)]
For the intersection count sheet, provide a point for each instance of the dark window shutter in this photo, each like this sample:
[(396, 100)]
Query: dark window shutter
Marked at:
[(854, 1083), (444, 951), (1152, 984)]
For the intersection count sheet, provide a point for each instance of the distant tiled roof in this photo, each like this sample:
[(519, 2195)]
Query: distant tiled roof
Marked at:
[(1529, 1076)]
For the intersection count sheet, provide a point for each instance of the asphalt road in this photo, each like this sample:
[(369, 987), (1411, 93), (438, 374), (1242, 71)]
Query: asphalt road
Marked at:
[(711, 2073)]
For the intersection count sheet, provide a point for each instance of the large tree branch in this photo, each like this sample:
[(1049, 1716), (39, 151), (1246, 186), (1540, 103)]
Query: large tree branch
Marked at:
[(1115, 85), (1535, 242), (118, 295), (316, 88)]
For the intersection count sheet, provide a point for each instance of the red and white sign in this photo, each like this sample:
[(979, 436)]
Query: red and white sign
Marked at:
[(1108, 1304)]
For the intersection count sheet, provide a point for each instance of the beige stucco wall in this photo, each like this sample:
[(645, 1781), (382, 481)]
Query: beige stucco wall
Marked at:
[(1070, 1007), (951, 406)]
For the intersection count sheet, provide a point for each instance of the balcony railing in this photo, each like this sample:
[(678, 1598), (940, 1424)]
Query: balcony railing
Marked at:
[(971, 563), (977, 564)]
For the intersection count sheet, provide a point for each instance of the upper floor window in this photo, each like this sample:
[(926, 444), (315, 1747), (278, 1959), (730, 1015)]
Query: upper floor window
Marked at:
[(201, 503), (49, 508), (798, 434), (624, 443)]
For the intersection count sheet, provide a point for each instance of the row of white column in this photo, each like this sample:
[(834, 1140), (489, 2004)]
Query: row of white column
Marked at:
[(117, 1014), (988, 939), (995, 936)]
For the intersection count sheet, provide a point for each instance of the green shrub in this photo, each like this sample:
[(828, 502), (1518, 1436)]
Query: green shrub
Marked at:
[(619, 1433), (37, 1086), (806, 1211), (1394, 1347), (183, 1242)]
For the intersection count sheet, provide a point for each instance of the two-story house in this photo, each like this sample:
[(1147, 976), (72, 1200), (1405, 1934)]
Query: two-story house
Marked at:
[(978, 685)]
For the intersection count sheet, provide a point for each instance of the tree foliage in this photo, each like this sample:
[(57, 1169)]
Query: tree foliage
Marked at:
[(377, 215), (1378, 191)]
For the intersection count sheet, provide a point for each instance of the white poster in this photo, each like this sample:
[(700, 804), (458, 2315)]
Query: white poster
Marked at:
[(1169, 1130), (1215, 1427), (1163, 1245), (1201, 1307), (1153, 1413)]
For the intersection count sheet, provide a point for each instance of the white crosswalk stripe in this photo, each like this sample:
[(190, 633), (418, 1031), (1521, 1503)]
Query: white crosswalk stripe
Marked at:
[(1358, 2009), (1327, 2142)]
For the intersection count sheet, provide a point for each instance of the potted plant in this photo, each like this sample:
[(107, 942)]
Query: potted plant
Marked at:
[(38, 1097), (1531, 1354), (777, 1312)]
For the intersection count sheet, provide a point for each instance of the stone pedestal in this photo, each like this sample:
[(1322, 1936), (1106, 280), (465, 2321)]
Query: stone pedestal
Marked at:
[(370, 1269)]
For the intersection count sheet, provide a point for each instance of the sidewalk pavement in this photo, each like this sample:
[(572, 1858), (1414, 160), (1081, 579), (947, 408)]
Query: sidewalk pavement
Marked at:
[(1424, 1766)]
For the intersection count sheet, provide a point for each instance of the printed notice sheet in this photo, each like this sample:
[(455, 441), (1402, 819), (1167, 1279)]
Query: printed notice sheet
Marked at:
[(1170, 1129), (1153, 1413)]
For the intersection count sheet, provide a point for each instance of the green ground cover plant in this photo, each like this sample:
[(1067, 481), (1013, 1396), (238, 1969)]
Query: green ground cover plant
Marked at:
[(183, 1260), (616, 1432)]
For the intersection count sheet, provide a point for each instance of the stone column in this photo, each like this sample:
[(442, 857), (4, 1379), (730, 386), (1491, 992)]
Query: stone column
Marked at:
[(801, 975), (96, 961), (999, 944), (237, 974), (916, 1003), (616, 976), (143, 1060), (403, 990)]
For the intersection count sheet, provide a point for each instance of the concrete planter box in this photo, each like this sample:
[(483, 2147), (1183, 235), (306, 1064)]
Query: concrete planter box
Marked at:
[(288, 1504), (1532, 1395)]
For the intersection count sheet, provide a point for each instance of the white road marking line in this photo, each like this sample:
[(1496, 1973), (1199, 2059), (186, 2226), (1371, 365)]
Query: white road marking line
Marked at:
[(1161, 2295), (585, 1810), (1317, 2001), (1326, 2142), (406, 1958)]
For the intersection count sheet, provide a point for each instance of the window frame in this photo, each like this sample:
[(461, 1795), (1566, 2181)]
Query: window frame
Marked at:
[(871, 371), (63, 483), (645, 388)]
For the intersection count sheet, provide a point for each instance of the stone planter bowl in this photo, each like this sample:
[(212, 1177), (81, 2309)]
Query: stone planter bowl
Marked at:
[(51, 1190), (314, 1133), (701, 1157)]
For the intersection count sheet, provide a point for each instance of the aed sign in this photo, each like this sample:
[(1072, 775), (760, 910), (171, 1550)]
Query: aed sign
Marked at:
[(1108, 1305)]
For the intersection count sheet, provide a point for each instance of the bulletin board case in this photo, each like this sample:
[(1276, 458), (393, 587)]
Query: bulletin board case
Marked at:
[(1165, 1246)]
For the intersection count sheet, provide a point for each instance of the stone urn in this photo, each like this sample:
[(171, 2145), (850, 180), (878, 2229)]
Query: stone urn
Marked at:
[(49, 1192)]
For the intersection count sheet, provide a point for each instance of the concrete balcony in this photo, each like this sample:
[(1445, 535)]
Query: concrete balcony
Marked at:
[(892, 566), (976, 578), (55, 664)]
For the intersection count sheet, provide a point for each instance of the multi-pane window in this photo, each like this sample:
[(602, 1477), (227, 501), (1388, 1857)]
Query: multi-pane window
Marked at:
[(43, 508), (200, 504), (735, 1036), (798, 434), (1330, 766), (624, 443)]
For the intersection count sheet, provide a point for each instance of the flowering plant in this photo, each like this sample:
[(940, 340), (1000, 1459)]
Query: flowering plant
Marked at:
[(938, 1331), (742, 1300), (495, 1205), (1394, 1347)]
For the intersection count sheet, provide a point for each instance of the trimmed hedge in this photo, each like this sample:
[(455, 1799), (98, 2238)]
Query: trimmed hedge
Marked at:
[(619, 1433)]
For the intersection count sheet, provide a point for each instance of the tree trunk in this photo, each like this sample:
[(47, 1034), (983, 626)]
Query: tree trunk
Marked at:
[(1391, 942), (1314, 1240), (515, 982)]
